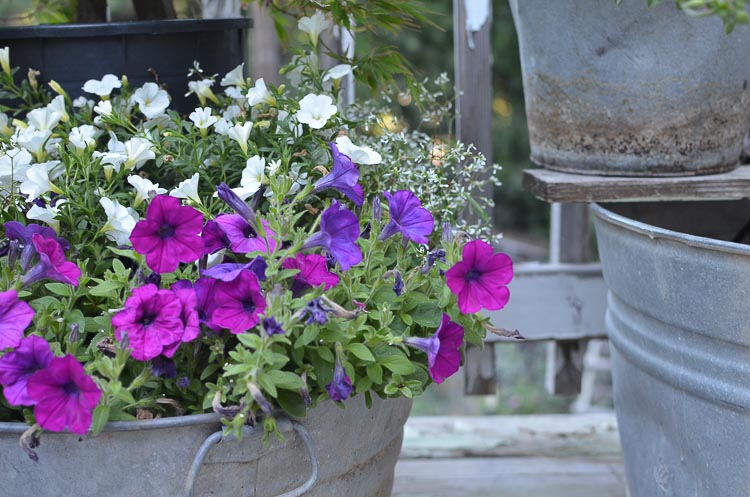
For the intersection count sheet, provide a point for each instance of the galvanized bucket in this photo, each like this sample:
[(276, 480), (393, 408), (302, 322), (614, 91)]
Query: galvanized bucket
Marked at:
[(331, 452), (631, 90), (678, 317)]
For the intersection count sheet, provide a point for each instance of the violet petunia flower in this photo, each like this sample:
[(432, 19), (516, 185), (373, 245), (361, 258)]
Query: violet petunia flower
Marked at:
[(315, 311), (64, 396), (480, 278), (214, 238), (152, 321), (340, 388), (443, 349), (313, 272), (229, 271), (169, 235), (243, 238), (16, 368), (23, 234), (15, 317), (407, 217), (205, 302), (239, 303), (339, 231), (272, 327), (52, 264), (343, 177), (398, 283), (236, 203)]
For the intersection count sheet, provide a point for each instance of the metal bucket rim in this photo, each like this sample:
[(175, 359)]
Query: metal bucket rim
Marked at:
[(146, 424), (652, 232)]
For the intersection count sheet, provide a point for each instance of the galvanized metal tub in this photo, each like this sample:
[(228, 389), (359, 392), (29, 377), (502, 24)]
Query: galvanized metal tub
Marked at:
[(356, 448), (678, 317), (631, 90)]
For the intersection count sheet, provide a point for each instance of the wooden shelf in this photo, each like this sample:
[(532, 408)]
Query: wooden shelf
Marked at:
[(553, 186)]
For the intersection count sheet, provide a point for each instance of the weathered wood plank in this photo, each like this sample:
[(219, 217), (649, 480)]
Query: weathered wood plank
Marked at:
[(509, 477), (479, 370), (548, 302), (591, 435), (553, 186)]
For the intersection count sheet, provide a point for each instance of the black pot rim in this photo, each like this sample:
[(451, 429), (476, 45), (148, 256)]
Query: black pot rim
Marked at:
[(124, 28)]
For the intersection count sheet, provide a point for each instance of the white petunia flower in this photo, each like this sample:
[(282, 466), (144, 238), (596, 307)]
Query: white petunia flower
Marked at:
[(120, 221), (34, 141), (337, 72), (235, 93), (188, 189), (359, 155), (298, 179), (241, 134), (202, 90), (232, 112), (222, 126), (39, 179), (259, 94), (315, 110), (234, 77), (5, 128), (138, 152), (43, 119), (253, 176), (103, 108), (113, 159), (151, 100), (83, 102), (58, 105), (13, 166), (143, 188), (314, 25), (102, 87), (47, 214), (202, 118), (5, 59), (82, 137)]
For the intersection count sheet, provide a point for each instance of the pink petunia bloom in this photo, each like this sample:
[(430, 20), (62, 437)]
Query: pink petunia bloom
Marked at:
[(15, 317), (52, 264), (152, 321), (16, 368), (313, 272), (407, 217), (169, 235), (443, 349), (480, 278), (242, 237), (239, 303), (64, 396)]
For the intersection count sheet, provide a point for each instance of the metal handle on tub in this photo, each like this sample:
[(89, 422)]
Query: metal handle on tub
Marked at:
[(217, 437)]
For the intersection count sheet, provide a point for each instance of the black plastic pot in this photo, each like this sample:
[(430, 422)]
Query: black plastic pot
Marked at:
[(71, 54)]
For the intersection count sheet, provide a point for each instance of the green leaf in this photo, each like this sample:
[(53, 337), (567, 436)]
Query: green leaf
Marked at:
[(118, 415), (267, 385), (250, 339), (210, 369), (106, 289), (326, 354), (360, 351), (99, 419), (59, 289), (427, 314), (125, 396), (284, 379), (310, 334), (292, 403), (375, 373), (398, 363)]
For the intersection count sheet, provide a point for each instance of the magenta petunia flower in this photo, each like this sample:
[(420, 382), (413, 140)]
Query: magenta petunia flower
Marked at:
[(23, 234), (189, 316), (407, 217), (214, 238), (242, 237), (340, 388), (52, 264), (204, 295), (152, 321), (64, 396), (15, 317), (480, 278), (343, 177), (238, 303), (443, 349), (169, 235), (313, 272), (16, 367), (339, 231)]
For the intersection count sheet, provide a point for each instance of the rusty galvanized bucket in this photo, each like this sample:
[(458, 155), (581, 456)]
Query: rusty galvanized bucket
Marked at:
[(631, 90), (331, 452), (678, 317)]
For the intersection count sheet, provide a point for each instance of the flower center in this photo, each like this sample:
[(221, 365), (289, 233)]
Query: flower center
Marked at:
[(248, 306), (166, 231), (147, 319), (249, 232), (70, 388), (473, 275)]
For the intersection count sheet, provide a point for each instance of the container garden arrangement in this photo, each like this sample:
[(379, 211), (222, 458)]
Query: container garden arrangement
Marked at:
[(271, 268), (677, 321), (633, 89)]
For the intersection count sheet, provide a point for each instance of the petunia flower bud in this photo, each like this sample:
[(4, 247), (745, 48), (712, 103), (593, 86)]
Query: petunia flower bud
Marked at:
[(235, 202), (263, 403), (377, 210)]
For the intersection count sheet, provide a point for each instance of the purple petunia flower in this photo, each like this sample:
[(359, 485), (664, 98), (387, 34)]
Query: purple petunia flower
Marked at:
[(214, 238), (229, 271), (23, 234), (339, 231), (480, 278), (239, 303), (189, 316), (15, 317), (169, 235), (236, 203), (340, 388), (52, 264), (313, 273), (443, 349), (243, 238), (272, 327), (343, 177), (152, 321), (398, 283), (163, 367), (17, 366), (407, 217), (64, 396), (315, 311)]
